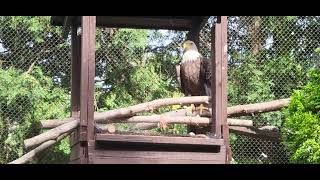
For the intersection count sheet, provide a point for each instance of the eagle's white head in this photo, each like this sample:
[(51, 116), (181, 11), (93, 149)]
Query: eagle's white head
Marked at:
[(190, 52)]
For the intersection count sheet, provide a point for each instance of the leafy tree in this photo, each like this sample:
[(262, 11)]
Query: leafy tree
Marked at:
[(302, 126), (25, 99), (28, 40)]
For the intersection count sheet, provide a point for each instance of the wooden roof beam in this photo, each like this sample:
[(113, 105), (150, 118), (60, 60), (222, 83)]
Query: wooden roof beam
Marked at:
[(68, 20), (197, 25), (181, 23)]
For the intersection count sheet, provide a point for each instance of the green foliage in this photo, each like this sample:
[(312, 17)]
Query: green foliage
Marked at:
[(24, 100), (302, 126), (32, 39)]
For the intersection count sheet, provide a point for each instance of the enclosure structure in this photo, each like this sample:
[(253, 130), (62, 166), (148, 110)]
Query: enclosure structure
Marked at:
[(88, 146)]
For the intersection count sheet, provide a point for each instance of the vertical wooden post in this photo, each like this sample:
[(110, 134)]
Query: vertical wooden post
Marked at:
[(219, 81), (87, 86), (224, 96), (216, 81), (75, 72), (75, 90)]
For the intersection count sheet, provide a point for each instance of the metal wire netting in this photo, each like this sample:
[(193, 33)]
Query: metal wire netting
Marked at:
[(268, 58)]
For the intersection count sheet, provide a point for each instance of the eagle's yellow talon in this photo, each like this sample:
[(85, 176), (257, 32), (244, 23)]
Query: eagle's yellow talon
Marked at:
[(201, 108), (191, 108)]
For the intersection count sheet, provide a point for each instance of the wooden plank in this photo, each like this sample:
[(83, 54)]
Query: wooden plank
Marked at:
[(123, 160), (160, 155), (158, 139)]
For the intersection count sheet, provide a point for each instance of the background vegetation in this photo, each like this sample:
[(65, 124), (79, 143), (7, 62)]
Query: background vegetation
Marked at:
[(269, 58)]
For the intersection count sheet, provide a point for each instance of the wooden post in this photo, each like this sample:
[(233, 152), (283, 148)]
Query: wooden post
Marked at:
[(216, 83), (75, 72), (224, 83), (75, 90), (219, 82), (87, 86)]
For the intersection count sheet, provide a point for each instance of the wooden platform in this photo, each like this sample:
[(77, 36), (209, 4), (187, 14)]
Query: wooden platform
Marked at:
[(139, 149)]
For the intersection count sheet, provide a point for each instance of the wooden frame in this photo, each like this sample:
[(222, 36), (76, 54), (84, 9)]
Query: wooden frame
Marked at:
[(83, 141)]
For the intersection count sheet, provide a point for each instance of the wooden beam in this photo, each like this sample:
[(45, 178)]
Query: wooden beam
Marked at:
[(87, 84), (194, 33), (183, 23), (158, 139), (67, 25)]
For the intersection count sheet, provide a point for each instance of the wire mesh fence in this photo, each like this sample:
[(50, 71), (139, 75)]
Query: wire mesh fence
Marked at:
[(268, 57)]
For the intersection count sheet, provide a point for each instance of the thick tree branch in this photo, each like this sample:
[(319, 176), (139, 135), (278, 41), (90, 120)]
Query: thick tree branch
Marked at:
[(264, 133), (180, 120), (30, 155), (249, 109), (51, 134), (149, 107), (233, 111)]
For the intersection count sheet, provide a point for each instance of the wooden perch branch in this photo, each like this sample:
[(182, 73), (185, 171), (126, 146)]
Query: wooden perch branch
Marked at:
[(181, 120), (149, 107), (233, 111), (267, 133), (30, 155), (51, 134), (145, 126), (241, 110), (52, 123)]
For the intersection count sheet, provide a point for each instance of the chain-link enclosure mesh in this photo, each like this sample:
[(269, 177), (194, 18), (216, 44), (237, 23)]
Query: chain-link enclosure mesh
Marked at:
[(268, 57)]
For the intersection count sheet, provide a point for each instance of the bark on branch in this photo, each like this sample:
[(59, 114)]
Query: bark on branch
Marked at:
[(267, 133), (233, 111), (181, 120), (249, 109), (149, 107), (51, 134), (30, 155)]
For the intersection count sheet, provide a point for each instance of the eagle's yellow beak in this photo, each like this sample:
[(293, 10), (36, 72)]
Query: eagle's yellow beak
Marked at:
[(183, 45)]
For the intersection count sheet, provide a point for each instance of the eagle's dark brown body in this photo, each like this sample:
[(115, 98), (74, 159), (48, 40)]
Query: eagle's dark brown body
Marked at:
[(195, 76)]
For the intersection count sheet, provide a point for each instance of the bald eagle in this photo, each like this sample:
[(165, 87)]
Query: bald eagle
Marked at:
[(195, 73)]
